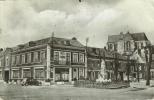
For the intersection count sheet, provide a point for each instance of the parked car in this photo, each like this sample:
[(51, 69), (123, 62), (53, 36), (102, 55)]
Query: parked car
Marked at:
[(30, 81)]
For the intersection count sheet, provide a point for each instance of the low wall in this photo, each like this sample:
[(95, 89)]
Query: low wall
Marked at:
[(106, 85)]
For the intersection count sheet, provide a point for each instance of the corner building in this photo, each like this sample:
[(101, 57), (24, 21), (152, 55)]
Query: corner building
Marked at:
[(57, 59)]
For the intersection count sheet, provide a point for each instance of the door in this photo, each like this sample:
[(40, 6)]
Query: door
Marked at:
[(6, 76)]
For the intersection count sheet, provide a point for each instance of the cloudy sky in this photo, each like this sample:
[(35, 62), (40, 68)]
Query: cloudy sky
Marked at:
[(25, 20)]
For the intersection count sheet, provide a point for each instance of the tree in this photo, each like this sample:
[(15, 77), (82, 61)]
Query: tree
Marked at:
[(116, 66), (148, 56)]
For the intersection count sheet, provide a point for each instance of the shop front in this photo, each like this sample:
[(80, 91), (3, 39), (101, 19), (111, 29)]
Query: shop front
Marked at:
[(62, 74)]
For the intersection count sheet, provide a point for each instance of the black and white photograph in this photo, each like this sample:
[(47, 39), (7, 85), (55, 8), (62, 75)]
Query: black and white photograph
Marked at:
[(76, 49)]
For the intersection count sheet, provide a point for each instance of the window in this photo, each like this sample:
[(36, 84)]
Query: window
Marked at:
[(7, 61), (26, 60), (56, 56), (18, 59), (127, 46), (38, 55), (68, 56), (142, 45), (16, 74), (81, 58), (13, 59), (81, 72), (43, 55), (75, 57), (35, 56), (110, 46), (39, 73), (26, 73), (29, 57), (32, 56), (23, 59), (62, 58)]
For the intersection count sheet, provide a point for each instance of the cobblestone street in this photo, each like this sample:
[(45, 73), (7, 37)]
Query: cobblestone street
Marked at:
[(63, 92)]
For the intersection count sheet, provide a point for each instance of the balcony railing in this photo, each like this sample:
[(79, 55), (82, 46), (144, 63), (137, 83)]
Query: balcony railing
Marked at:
[(62, 62)]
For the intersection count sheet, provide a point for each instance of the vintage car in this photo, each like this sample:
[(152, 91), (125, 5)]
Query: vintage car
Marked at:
[(30, 81)]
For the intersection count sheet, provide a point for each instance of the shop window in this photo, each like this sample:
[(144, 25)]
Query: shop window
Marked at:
[(39, 73), (26, 73), (16, 74), (81, 73)]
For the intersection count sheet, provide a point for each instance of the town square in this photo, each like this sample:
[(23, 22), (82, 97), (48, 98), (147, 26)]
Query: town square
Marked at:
[(76, 50)]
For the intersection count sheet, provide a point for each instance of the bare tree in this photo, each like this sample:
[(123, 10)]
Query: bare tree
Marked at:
[(148, 56)]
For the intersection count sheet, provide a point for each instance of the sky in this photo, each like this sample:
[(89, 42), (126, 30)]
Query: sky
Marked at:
[(27, 20)]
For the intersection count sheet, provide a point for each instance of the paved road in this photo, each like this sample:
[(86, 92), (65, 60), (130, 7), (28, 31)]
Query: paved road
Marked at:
[(15, 92)]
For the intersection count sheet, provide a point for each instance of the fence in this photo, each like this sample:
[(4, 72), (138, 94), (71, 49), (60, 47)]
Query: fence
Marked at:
[(105, 85)]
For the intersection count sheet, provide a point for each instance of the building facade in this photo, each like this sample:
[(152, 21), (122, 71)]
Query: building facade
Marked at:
[(127, 43), (5, 65), (134, 47), (56, 59), (107, 65)]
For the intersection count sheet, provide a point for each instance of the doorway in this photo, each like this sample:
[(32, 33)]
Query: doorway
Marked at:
[(6, 76)]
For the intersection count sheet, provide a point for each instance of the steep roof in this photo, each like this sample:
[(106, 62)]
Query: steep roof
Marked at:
[(60, 42), (128, 36), (139, 36)]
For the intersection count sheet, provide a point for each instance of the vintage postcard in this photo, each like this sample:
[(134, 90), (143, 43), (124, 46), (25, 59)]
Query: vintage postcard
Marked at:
[(76, 50)]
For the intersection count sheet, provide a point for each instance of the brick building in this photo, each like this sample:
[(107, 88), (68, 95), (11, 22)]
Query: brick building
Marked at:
[(57, 59)]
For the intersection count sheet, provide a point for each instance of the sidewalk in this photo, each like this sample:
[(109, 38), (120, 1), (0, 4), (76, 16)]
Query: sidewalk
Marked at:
[(141, 84)]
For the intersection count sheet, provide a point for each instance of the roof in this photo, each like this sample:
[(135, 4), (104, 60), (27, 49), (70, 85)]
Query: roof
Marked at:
[(100, 52), (139, 36), (128, 36), (60, 42)]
